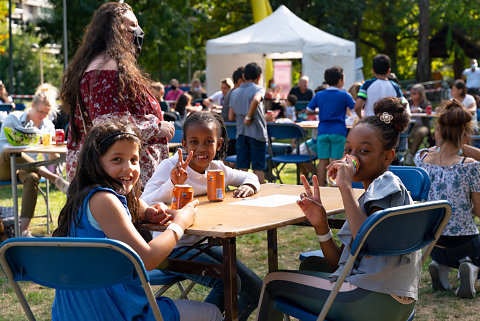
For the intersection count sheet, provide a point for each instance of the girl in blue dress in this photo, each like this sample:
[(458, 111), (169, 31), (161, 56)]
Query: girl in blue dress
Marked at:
[(103, 202)]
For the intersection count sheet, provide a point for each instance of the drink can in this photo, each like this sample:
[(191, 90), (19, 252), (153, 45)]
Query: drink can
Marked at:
[(356, 166), (215, 185), (59, 136), (182, 194), (429, 110)]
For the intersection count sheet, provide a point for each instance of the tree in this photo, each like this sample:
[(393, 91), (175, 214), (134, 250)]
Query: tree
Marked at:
[(423, 57)]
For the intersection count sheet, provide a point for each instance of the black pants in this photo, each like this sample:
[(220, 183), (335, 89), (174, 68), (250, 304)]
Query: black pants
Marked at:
[(451, 256)]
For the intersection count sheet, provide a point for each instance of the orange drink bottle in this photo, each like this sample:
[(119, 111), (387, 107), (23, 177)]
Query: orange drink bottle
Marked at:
[(215, 185), (182, 194), (356, 166)]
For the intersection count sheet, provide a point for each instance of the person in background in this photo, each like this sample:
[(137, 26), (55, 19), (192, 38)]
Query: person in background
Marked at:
[(459, 92), (5, 98), (237, 77), (472, 75), (455, 178), (205, 142), (302, 91), (376, 88), (183, 108), (331, 106), (44, 103), (158, 90), (174, 91), (196, 90), (354, 89), (247, 110), (290, 111), (272, 99), (418, 104), (104, 83), (217, 98), (103, 202)]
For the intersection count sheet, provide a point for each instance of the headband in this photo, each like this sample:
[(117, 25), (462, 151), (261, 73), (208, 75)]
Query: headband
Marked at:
[(116, 134), (385, 117)]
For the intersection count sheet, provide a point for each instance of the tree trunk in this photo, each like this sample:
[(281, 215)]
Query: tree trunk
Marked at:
[(423, 58)]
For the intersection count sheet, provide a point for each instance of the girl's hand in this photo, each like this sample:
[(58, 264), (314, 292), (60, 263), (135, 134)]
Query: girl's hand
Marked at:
[(167, 129), (243, 191), (343, 170), (311, 205), (179, 174), (156, 214), (185, 217)]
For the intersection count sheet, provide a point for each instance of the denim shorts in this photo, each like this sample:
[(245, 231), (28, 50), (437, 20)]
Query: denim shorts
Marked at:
[(330, 146), (250, 150)]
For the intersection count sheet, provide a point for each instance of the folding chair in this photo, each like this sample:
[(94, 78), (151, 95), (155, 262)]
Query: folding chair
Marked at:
[(300, 107), (394, 231), (167, 280), (232, 134), (287, 131), (72, 264)]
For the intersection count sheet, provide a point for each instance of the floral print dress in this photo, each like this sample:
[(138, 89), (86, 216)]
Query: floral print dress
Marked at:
[(99, 90)]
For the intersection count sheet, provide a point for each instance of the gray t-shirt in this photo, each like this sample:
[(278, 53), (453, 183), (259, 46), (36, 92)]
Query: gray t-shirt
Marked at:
[(240, 101), (397, 275)]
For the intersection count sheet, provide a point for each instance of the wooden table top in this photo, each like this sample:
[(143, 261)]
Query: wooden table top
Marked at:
[(49, 149), (260, 212), (433, 114)]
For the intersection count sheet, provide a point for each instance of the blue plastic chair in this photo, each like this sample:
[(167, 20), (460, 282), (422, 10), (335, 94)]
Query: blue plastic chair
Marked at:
[(287, 131), (394, 231), (72, 264), (177, 138), (415, 179), (475, 140), (232, 134)]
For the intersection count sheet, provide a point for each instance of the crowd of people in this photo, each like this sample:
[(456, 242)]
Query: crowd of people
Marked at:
[(120, 171)]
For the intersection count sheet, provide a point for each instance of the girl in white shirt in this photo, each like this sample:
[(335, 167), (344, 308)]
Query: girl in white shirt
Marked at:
[(204, 138)]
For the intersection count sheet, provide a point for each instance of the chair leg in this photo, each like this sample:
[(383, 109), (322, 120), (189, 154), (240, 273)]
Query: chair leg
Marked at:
[(46, 196), (286, 317), (185, 291)]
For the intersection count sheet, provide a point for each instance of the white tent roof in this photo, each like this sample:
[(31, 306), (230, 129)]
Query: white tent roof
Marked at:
[(283, 34), (282, 31)]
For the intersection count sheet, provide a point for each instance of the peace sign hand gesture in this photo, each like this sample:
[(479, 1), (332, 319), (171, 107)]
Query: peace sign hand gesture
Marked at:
[(311, 204), (179, 174)]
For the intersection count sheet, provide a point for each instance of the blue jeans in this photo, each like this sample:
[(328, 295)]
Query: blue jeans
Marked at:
[(249, 284)]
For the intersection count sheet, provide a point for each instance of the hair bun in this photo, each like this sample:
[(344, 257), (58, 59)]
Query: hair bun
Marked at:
[(392, 111)]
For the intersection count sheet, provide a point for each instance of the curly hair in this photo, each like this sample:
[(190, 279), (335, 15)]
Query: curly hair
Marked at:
[(104, 34)]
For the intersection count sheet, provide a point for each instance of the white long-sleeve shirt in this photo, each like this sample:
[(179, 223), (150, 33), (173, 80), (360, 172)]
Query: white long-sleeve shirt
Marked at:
[(160, 187)]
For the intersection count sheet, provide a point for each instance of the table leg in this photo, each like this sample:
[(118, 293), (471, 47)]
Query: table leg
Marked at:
[(13, 173), (272, 250), (230, 279)]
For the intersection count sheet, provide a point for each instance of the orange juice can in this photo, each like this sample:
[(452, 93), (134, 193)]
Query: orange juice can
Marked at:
[(215, 185), (182, 194)]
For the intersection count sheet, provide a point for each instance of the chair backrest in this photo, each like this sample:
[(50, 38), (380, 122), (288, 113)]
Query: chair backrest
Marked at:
[(8, 107), (285, 130), (231, 129), (415, 179), (475, 140), (301, 105), (177, 138), (395, 231), (72, 264)]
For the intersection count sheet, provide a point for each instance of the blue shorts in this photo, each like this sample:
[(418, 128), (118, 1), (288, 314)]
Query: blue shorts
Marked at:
[(330, 146), (250, 150)]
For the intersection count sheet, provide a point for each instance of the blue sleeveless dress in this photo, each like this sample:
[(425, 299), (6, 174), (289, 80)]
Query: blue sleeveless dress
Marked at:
[(126, 301)]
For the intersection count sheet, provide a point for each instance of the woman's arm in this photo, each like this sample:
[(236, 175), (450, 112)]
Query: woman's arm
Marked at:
[(159, 187), (110, 214), (476, 203), (471, 151)]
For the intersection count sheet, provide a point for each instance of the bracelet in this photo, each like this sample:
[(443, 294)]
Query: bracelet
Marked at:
[(177, 229), (248, 118), (325, 237)]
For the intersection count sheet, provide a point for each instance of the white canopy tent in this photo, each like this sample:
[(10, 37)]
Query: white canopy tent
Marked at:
[(281, 35)]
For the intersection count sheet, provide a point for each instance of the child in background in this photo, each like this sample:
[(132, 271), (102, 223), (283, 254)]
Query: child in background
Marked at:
[(457, 179), (369, 291), (332, 104), (102, 203), (204, 139), (290, 107)]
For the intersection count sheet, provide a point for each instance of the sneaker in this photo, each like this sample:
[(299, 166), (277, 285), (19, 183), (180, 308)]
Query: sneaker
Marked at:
[(61, 184), (468, 275), (26, 233), (439, 275), (409, 159)]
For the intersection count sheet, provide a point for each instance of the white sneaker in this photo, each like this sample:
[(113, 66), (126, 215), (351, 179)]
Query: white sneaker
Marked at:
[(61, 184), (468, 275), (439, 275), (26, 233)]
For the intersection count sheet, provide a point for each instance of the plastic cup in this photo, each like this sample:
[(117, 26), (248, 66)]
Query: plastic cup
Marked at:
[(46, 139)]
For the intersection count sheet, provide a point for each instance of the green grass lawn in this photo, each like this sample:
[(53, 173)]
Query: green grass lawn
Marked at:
[(252, 250)]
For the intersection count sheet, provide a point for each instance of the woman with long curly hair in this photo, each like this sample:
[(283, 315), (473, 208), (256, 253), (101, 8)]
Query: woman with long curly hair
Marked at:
[(104, 83)]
